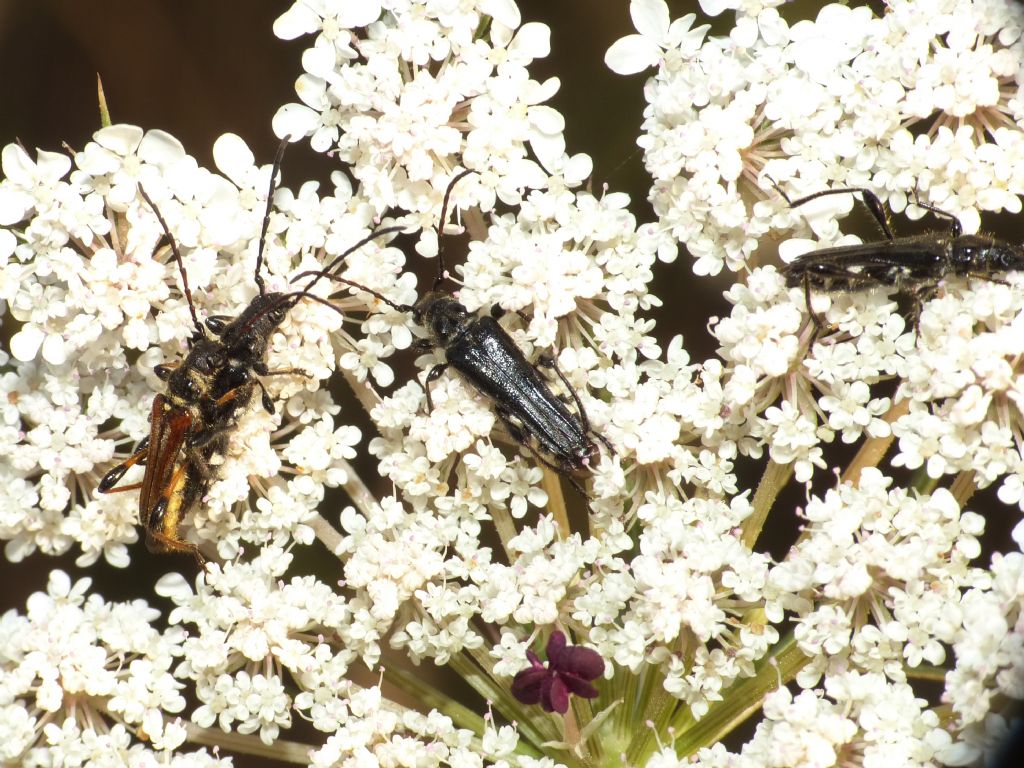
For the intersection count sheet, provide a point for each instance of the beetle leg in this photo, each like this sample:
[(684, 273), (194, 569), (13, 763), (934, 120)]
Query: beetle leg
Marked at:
[(821, 325), (262, 370), (434, 375), (986, 278), (165, 517), (109, 480), (868, 198), (268, 404), (919, 294), (517, 434), (548, 361), (956, 229), (498, 312)]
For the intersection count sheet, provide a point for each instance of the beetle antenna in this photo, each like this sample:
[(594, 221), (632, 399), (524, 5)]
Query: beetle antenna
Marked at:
[(328, 272), (440, 227), (274, 170), (177, 257), (336, 261)]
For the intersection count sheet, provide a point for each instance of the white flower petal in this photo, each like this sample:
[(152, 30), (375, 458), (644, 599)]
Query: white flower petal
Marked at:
[(296, 21), (160, 148), (18, 166), (579, 168), (174, 586), (294, 121), (715, 7), (55, 350), (502, 11), (533, 40), (121, 139), (550, 150), (359, 14), (795, 247), (233, 157), (25, 343), (53, 165), (14, 204), (319, 61), (547, 89), (8, 241), (547, 120), (650, 17), (631, 54)]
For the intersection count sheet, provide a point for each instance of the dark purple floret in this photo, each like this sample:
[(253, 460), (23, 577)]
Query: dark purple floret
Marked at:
[(569, 670)]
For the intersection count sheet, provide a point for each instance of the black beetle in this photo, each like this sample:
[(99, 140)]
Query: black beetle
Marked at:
[(913, 265), (487, 357)]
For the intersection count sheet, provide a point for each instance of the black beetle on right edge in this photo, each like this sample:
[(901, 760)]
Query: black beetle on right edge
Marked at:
[(913, 265), (484, 353)]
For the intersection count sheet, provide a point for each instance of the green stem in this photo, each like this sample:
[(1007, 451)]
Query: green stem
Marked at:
[(772, 482), (922, 483), (873, 450), (926, 672), (419, 689), (358, 491), (556, 502), (328, 535), (363, 390), (102, 99), (659, 710), (506, 528), (742, 699), (281, 750), (963, 487), (501, 699)]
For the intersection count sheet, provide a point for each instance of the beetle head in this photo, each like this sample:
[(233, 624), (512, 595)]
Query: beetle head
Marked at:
[(978, 254), (444, 317), (247, 336)]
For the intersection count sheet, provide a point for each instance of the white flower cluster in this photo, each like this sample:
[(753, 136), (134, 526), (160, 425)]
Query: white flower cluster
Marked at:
[(988, 647), (956, 408), (408, 91), (868, 553), (80, 676), (257, 634), (863, 714), (831, 102), (474, 557), (81, 274)]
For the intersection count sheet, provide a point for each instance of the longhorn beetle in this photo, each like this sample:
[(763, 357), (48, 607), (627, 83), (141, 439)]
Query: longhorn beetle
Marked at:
[(913, 265), (206, 394), (487, 357)]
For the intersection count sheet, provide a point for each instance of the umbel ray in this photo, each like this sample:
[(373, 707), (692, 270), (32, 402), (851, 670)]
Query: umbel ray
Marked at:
[(482, 351), (206, 394), (914, 265)]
